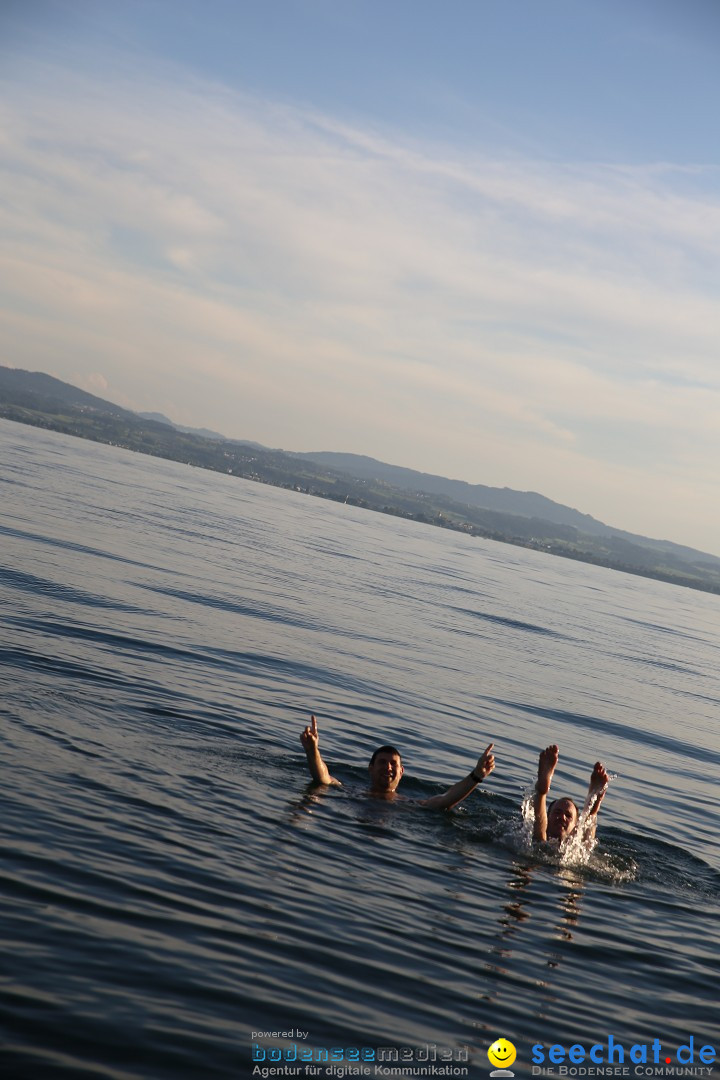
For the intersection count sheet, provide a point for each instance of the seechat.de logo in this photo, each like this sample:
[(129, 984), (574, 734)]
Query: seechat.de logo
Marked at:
[(501, 1054)]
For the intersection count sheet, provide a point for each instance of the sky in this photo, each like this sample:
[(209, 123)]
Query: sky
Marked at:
[(478, 238)]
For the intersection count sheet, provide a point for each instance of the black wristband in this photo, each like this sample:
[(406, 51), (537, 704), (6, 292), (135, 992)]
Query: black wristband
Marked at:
[(476, 778)]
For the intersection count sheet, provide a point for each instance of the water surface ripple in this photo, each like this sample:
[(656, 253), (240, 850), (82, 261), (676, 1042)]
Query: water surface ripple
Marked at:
[(170, 882)]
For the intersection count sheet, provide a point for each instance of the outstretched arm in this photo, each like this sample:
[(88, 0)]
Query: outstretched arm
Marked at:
[(459, 791), (318, 769), (547, 764), (599, 781)]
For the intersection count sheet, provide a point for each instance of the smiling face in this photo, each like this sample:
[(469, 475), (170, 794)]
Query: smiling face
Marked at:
[(385, 770), (562, 819), (501, 1054)]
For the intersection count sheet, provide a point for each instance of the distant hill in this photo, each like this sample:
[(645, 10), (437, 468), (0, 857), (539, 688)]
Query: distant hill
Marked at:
[(157, 416), (526, 519), (527, 504), (160, 418), (36, 390), (505, 500)]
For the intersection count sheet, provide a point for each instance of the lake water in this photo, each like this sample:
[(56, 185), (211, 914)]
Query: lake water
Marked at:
[(172, 886)]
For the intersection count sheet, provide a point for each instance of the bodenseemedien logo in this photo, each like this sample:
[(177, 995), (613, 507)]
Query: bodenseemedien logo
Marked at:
[(501, 1054)]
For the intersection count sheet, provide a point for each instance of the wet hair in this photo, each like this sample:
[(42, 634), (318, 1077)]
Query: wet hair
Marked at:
[(385, 750), (550, 805)]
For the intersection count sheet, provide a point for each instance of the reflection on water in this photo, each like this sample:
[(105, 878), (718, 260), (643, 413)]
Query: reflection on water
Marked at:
[(518, 909)]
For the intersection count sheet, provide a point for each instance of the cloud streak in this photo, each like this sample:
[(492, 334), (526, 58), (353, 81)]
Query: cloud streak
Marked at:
[(280, 275)]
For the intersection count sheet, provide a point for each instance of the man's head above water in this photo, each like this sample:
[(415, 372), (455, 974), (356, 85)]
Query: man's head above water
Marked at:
[(386, 769), (562, 818)]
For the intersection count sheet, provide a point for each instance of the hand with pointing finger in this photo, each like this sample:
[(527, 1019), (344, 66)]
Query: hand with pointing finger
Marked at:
[(460, 791), (309, 737), (318, 769), (486, 763)]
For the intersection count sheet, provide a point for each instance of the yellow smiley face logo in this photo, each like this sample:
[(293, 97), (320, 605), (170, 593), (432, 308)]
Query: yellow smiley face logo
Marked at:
[(502, 1054)]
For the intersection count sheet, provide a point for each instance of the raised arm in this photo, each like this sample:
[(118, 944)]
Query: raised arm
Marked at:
[(318, 769), (547, 764), (459, 791), (599, 781)]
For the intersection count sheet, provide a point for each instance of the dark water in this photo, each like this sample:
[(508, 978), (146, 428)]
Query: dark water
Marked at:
[(170, 885)]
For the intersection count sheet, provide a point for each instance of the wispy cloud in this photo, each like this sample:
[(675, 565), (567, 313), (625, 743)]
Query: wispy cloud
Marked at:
[(278, 274)]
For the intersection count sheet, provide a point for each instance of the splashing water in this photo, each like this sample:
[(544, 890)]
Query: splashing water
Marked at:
[(575, 850), (578, 850)]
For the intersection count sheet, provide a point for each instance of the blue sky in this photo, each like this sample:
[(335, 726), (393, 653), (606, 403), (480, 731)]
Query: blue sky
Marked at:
[(476, 238)]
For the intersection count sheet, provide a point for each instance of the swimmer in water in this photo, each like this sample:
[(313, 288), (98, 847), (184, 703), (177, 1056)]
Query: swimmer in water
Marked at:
[(386, 771), (562, 819)]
